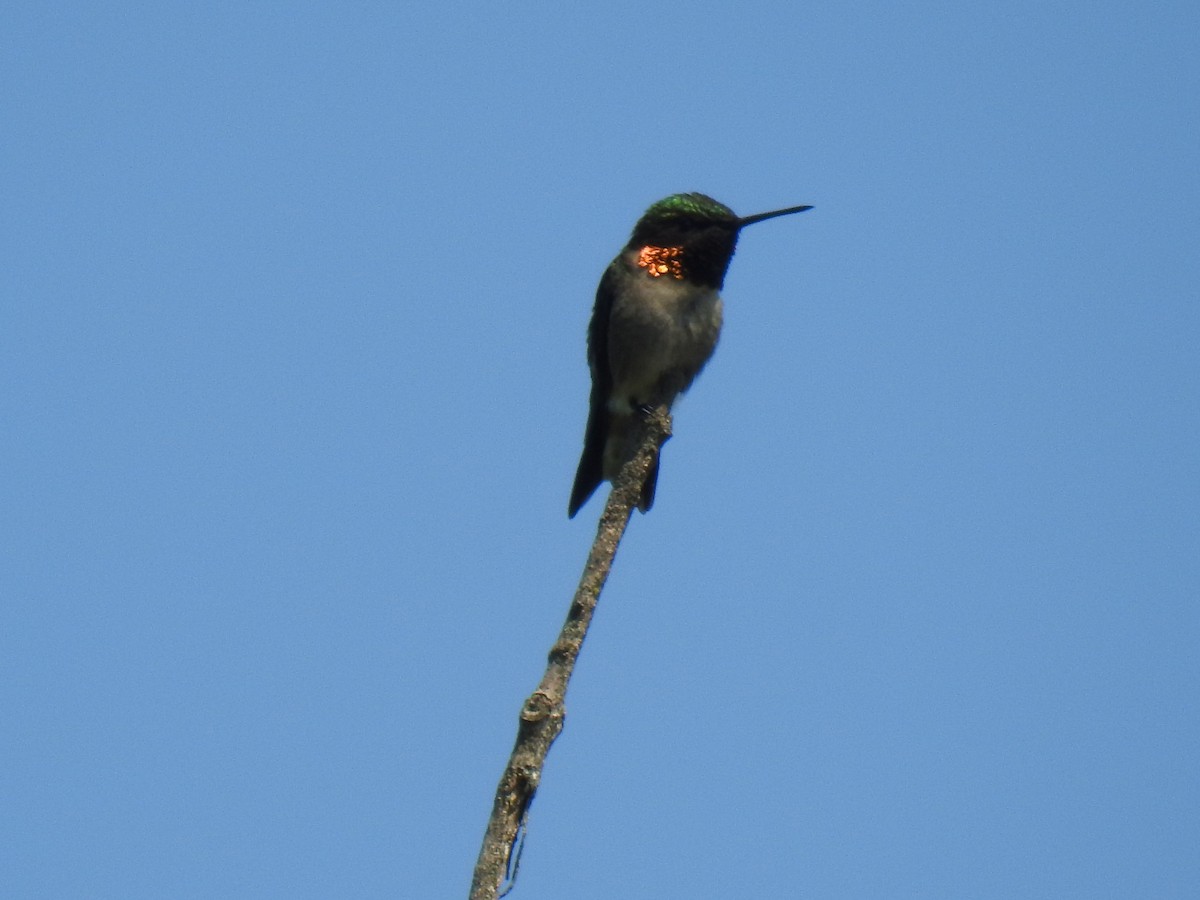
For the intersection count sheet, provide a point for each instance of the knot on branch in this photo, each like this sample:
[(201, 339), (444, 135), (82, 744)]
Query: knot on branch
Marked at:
[(540, 705)]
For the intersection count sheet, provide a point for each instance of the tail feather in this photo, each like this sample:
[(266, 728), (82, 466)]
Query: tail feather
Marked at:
[(591, 464), (648, 487), (590, 473)]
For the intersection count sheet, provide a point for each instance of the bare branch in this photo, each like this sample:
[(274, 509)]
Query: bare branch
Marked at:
[(543, 712)]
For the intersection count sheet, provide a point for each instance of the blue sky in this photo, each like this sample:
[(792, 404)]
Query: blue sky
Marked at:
[(294, 301)]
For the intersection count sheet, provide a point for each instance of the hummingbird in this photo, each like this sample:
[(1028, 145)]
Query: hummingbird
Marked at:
[(654, 325)]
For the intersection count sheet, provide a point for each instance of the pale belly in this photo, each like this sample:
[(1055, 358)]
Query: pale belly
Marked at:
[(659, 338)]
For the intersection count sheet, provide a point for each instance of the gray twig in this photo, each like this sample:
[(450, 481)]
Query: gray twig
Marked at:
[(543, 712)]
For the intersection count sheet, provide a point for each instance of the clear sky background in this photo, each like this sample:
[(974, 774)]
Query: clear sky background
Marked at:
[(292, 351)]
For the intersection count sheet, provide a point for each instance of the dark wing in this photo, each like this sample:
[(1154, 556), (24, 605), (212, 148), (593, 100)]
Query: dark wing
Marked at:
[(591, 464)]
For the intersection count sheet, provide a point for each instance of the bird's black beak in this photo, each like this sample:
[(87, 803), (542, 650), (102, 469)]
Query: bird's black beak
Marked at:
[(750, 220)]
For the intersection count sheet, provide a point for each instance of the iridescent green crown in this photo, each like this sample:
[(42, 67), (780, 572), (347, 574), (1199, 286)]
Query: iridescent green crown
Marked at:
[(698, 205)]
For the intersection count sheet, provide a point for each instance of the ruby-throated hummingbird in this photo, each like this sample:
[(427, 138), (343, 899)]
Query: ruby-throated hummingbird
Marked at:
[(654, 326)]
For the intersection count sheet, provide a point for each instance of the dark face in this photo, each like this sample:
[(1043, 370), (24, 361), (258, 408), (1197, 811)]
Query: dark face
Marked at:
[(678, 230), (701, 233)]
